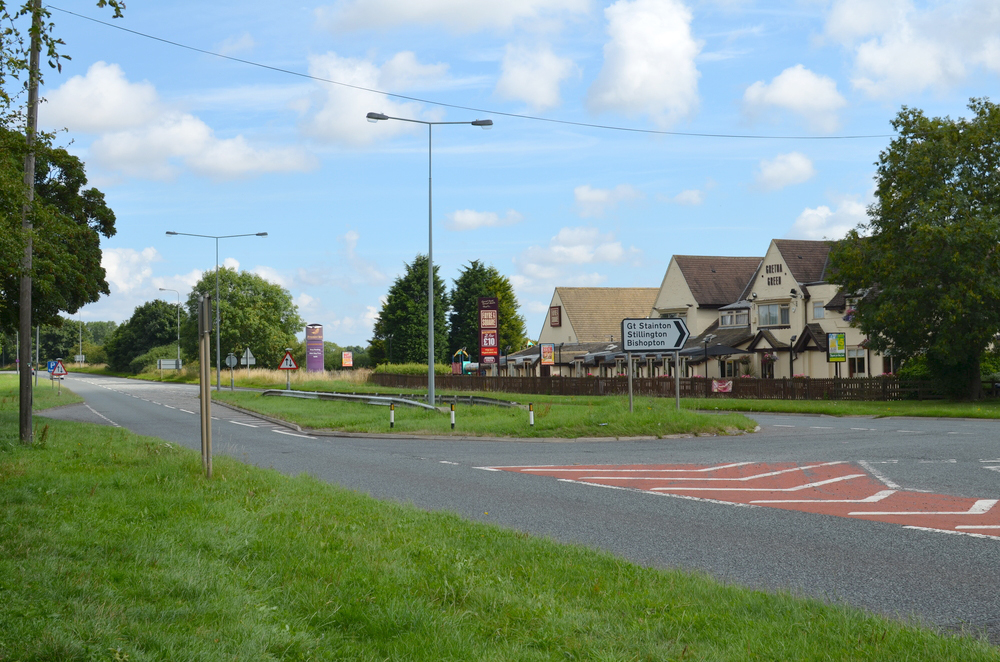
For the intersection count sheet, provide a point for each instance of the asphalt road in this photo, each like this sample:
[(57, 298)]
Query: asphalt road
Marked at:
[(940, 579)]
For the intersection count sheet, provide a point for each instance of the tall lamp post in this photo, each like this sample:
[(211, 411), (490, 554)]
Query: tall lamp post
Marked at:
[(218, 346), (167, 289), (376, 117)]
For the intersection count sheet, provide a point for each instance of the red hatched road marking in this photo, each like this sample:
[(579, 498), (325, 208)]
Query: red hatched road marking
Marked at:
[(841, 489)]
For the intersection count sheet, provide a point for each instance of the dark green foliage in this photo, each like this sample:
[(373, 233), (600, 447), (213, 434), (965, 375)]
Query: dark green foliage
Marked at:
[(474, 281), (255, 313), (400, 334), (153, 324), (927, 261), (62, 341), (69, 222)]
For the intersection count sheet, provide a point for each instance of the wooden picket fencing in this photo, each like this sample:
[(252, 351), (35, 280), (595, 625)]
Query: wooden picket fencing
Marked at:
[(800, 388)]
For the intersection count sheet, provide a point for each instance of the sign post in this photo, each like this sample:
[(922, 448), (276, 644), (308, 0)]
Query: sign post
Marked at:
[(288, 364), (205, 379), (58, 372), (248, 360), (231, 361), (653, 335), (836, 350)]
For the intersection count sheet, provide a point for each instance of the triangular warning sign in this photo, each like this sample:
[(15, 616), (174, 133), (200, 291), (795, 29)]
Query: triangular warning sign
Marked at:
[(59, 370), (288, 363)]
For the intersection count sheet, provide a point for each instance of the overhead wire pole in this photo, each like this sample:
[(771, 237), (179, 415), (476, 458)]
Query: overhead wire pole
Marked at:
[(25, 393), (485, 124)]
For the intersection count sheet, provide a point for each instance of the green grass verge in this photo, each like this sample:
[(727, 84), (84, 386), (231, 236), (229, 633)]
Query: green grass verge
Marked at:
[(563, 417), (115, 547), (926, 408)]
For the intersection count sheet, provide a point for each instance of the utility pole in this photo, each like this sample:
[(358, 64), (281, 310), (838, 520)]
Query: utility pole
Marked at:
[(24, 351)]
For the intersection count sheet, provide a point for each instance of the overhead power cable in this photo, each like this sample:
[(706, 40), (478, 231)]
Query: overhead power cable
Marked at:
[(534, 118)]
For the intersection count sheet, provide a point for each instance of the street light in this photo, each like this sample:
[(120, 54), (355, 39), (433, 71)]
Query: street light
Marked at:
[(167, 289), (485, 124), (218, 350), (707, 339)]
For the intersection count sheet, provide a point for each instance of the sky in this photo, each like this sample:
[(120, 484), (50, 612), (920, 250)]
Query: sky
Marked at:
[(624, 133)]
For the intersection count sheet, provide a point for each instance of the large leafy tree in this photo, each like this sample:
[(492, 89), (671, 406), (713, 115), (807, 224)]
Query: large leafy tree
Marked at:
[(474, 281), (928, 259), (255, 313), (69, 221), (153, 324), (400, 333)]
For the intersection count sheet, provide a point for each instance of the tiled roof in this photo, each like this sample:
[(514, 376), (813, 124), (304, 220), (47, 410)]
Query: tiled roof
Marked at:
[(596, 313), (717, 281), (806, 260)]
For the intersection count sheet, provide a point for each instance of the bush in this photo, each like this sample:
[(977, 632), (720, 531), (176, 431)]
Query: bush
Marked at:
[(411, 369), (147, 361)]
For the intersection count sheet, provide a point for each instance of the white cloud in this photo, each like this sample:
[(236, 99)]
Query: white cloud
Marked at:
[(403, 72), (533, 76), (826, 223), (458, 15), (140, 136), (901, 49), (813, 97), (689, 197), (102, 100), (244, 43), (341, 113), (595, 201), (361, 269), (272, 275), (469, 219), (785, 170), (649, 62), (540, 268), (127, 269)]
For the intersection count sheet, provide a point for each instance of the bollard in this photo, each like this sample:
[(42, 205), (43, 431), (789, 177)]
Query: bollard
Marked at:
[(453, 416), (531, 414), (392, 415)]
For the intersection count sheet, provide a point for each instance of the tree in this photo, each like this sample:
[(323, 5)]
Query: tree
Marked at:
[(927, 261), (69, 222), (255, 313), (402, 322), (153, 324), (62, 341), (475, 281)]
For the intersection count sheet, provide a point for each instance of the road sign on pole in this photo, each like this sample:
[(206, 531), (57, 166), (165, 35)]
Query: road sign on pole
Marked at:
[(59, 370), (654, 335), (288, 363)]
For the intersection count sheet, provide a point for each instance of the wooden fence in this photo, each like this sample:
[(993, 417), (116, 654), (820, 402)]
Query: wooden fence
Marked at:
[(802, 388)]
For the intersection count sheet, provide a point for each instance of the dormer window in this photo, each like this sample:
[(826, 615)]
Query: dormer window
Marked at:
[(734, 318)]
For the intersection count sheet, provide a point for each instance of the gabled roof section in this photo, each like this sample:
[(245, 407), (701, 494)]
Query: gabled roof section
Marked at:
[(596, 313), (717, 281), (806, 260), (766, 340)]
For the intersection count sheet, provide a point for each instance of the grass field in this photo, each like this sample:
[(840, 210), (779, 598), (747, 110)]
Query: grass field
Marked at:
[(564, 417), (115, 547)]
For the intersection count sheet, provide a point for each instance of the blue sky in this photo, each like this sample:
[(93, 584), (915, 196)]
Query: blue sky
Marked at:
[(186, 141)]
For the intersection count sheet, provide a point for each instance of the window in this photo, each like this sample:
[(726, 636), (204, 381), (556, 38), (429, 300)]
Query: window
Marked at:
[(774, 314), (855, 362), (818, 310), (890, 365), (671, 316), (734, 318)]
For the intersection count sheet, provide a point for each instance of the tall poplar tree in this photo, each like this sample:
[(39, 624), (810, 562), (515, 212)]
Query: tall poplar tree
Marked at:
[(400, 333)]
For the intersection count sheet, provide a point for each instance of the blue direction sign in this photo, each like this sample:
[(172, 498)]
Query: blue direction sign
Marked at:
[(654, 335), (50, 366)]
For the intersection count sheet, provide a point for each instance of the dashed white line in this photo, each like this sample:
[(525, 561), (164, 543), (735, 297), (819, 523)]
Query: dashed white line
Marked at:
[(247, 425), (186, 411), (447, 462), (292, 434)]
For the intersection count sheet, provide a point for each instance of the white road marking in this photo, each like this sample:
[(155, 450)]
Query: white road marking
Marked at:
[(186, 411), (937, 461), (954, 533), (292, 434), (819, 427), (487, 469), (644, 471), (169, 407), (978, 526), (980, 507), (909, 431), (101, 415), (805, 486), (743, 479), (447, 462), (885, 481), (784, 426), (992, 468), (246, 425), (878, 496)]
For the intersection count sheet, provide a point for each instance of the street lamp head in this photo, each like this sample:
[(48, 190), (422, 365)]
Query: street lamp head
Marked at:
[(375, 117), (261, 234), (171, 233), (486, 124)]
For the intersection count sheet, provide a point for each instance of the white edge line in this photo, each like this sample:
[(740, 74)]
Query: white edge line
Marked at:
[(186, 411), (488, 469), (875, 472), (246, 425), (292, 434), (978, 526), (950, 532)]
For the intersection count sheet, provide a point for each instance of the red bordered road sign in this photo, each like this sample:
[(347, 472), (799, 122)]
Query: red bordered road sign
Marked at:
[(288, 363), (59, 370)]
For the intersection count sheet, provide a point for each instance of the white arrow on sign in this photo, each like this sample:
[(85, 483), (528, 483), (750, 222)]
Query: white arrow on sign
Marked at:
[(654, 335)]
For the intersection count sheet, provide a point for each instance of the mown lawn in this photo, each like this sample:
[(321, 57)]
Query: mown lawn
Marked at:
[(115, 547)]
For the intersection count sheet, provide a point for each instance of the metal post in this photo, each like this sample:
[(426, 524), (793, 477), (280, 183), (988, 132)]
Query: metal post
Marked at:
[(677, 378), (218, 342), (629, 355), (430, 277)]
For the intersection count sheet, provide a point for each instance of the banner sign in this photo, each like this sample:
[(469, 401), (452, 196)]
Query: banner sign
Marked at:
[(836, 347), (347, 359), (314, 348), (548, 353), (489, 333), (722, 386)]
